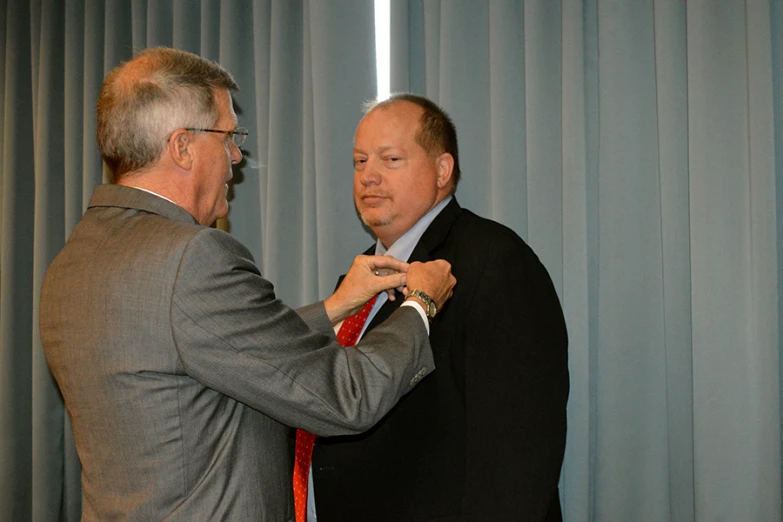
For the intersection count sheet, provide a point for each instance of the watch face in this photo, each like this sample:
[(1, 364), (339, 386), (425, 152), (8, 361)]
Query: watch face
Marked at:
[(431, 309)]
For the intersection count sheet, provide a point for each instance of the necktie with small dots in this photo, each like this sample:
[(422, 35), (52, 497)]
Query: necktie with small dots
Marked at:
[(348, 335)]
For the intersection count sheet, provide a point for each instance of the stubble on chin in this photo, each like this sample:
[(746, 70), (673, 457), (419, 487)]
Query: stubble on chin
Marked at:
[(375, 221)]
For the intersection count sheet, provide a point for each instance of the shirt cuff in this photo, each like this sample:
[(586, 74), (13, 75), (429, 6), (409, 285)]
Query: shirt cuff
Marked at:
[(421, 311)]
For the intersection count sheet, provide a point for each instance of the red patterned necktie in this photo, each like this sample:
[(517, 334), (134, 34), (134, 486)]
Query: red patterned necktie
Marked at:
[(347, 336)]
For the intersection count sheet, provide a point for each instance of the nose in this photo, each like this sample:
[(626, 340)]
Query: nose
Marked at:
[(236, 152), (369, 175)]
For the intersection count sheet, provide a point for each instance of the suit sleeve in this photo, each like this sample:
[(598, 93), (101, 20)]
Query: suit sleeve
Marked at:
[(314, 315), (235, 336), (516, 388)]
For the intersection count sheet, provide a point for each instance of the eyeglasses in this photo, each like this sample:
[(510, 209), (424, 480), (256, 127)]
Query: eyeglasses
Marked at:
[(238, 136)]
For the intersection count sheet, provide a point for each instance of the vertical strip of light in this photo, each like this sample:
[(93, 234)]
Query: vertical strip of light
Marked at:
[(383, 47)]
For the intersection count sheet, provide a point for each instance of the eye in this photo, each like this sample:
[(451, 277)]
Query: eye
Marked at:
[(392, 161), (358, 163)]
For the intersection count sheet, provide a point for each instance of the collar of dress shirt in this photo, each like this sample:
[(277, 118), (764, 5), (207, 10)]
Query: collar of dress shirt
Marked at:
[(153, 193), (403, 247)]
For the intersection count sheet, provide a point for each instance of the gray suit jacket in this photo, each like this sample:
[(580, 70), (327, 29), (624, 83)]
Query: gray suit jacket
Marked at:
[(181, 371)]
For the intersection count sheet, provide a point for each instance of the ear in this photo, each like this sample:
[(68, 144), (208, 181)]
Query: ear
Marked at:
[(180, 149), (445, 163)]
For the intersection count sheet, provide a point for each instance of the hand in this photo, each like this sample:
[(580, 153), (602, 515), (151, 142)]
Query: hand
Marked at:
[(433, 278), (368, 276)]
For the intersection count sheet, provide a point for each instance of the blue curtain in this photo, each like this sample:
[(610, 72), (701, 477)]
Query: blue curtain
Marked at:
[(637, 146)]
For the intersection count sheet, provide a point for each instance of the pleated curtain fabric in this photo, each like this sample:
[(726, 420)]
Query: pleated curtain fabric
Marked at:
[(636, 146)]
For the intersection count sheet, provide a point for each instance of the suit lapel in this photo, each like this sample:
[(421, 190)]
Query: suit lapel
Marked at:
[(436, 233)]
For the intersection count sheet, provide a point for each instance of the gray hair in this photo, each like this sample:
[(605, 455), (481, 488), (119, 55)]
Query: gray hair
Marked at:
[(144, 100)]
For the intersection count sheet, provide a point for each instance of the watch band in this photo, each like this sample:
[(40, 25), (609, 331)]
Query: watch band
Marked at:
[(429, 303)]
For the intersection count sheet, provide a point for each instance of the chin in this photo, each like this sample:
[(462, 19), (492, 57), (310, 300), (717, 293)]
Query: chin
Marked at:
[(375, 221), (221, 211)]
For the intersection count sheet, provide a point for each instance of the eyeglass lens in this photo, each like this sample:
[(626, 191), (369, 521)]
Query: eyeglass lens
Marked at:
[(239, 136)]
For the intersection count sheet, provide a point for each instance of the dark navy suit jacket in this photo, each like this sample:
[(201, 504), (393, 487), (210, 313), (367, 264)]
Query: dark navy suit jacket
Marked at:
[(482, 438)]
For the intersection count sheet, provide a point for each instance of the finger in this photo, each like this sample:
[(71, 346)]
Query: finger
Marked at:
[(384, 271), (389, 282), (389, 263), (390, 293)]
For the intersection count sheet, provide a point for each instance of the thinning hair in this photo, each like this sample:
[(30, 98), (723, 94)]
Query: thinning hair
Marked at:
[(144, 100), (436, 133)]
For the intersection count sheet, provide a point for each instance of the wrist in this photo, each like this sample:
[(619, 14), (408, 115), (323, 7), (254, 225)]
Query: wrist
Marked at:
[(426, 301), (334, 310), (418, 300)]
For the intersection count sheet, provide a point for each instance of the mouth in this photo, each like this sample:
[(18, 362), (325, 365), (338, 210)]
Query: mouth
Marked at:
[(372, 199)]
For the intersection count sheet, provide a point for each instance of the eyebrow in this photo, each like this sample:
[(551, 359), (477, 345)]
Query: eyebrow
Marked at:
[(385, 148)]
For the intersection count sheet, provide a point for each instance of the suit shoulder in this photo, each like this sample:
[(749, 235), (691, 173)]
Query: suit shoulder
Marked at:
[(218, 245), (485, 235)]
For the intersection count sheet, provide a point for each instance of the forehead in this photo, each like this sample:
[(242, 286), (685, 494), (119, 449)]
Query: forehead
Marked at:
[(225, 105), (396, 121)]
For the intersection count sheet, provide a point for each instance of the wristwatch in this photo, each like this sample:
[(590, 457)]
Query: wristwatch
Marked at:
[(429, 307)]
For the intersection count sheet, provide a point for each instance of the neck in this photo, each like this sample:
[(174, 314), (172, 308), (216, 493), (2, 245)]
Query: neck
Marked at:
[(161, 184), (388, 237)]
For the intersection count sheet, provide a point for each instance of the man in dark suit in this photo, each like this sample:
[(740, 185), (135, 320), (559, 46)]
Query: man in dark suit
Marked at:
[(481, 439), (180, 369)]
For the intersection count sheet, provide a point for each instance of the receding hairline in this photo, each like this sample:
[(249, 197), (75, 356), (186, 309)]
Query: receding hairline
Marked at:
[(387, 105), (140, 67), (392, 103), (372, 106), (152, 64)]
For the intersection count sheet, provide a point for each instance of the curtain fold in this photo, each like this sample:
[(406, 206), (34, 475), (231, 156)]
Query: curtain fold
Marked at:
[(636, 146), (16, 268), (731, 160), (777, 102), (320, 74), (48, 436), (579, 258)]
